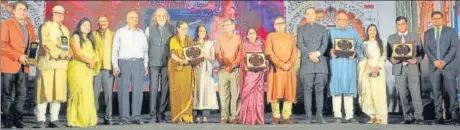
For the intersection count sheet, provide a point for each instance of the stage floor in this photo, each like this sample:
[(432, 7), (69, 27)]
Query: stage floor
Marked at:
[(298, 125)]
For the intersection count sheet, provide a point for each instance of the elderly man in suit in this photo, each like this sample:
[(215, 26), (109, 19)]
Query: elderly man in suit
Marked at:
[(17, 33), (312, 40), (158, 34), (407, 73), (441, 43)]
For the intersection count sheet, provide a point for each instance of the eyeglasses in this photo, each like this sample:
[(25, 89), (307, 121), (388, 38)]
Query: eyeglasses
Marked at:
[(161, 15), (58, 13), (280, 23)]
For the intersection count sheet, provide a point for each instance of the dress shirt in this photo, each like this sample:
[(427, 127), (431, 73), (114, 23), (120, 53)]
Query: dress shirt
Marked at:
[(403, 40), (129, 43)]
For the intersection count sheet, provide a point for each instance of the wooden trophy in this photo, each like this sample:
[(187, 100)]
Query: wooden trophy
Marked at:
[(64, 43), (255, 61), (344, 47), (402, 51), (193, 54), (32, 53)]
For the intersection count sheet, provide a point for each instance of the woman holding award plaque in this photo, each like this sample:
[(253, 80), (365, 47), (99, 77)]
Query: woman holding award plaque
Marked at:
[(181, 75), (252, 79), (371, 77), (205, 98), (81, 110)]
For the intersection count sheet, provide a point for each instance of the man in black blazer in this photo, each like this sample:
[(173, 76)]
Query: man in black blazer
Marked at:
[(441, 43)]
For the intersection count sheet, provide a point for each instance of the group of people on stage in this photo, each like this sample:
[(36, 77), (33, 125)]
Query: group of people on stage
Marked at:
[(94, 58)]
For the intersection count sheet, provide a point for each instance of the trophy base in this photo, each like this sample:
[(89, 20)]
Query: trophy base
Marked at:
[(343, 54), (256, 69), (402, 59), (195, 61)]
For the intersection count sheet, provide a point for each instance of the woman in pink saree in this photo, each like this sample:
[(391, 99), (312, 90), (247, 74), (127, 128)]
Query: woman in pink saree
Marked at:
[(251, 83)]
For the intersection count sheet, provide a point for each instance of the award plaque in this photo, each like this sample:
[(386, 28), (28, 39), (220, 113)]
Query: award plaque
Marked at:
[(193, 54), (344, 47), (255, 61), (65, 43), (402, 51), (32, 53)]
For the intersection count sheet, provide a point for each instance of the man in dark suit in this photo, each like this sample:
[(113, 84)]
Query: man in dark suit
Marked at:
[(407, 73), (158, 34), (312, 41), (441, 44)]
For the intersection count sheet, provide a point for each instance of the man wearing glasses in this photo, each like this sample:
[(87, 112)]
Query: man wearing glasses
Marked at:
[(52, 68), (344, 70), (158, 35), (281, 49), (129, 61), (441, 43), (228, 55)]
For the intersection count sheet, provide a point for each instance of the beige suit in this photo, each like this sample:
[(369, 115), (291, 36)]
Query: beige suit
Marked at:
[(52, 72)]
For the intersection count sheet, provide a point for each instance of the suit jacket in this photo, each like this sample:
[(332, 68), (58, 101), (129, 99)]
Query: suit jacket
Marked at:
[(159, 44), (50, 36), (448, 47), (411, 38), (13, 44), (312, 38)]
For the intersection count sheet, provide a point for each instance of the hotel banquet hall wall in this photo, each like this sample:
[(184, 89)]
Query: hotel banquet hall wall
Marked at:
[(257, 14)]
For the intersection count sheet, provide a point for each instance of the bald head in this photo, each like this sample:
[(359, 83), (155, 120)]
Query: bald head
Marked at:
[(341, 20), (58, 13), (132, 18)]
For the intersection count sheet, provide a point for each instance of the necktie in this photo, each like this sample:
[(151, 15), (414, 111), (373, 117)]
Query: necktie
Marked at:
[(438, 49), (403, 40)]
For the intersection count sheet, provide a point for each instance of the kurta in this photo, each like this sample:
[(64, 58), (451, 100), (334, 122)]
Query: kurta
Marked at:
[(181, 82), (251, 87), (205, 91), (372, 90), (343, 70), (81, 110), (52, 74), (281, 49)]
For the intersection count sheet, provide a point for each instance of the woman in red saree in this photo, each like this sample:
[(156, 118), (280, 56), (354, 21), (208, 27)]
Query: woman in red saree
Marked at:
[(251, 83)]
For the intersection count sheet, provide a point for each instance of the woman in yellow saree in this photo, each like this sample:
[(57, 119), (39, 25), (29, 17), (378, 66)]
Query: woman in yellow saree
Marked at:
[(181, 77), (81, 111)]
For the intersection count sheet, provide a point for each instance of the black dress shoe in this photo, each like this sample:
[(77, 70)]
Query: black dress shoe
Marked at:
[(138, 121), (457, 122), (123, 122), (337, 120), (320, 121), (352, 120), (438, 122), (41, 125), (162, 121), (21, 124), (108, 122), (55, 124), (153, 121), (406, 122), (419, 122)]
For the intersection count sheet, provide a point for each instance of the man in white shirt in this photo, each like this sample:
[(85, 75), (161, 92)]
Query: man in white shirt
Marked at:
[(129, 60)]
